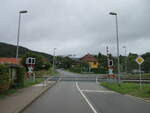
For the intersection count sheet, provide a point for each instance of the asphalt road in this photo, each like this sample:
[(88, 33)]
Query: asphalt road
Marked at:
[(85, 97)]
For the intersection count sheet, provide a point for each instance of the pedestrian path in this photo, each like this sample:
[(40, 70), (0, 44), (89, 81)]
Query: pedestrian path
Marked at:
[(15, 102)]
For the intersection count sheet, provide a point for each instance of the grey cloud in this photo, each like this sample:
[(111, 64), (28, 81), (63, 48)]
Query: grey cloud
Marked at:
[(77, 26)]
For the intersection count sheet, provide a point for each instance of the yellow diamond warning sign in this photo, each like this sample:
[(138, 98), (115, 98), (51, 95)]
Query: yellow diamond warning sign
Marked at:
[(139, 60)]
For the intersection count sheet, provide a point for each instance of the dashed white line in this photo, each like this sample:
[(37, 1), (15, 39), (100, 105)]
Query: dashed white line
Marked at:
[(93, 109)]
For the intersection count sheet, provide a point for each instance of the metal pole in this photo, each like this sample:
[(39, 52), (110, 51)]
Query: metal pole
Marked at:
[(118, 49), (107, 56), (17, 49), (140, 74), (126, 60), (54, 59), (107, 50)]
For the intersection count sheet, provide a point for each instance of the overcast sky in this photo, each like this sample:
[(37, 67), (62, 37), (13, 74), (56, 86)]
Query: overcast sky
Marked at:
[(77, 26)]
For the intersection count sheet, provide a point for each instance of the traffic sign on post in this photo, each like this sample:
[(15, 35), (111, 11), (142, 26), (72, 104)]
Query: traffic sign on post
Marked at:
[(139, 60)]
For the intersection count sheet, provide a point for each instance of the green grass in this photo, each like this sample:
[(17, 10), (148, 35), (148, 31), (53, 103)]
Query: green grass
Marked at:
[(129, 88), (27, 83), (137, 75), (7, 93), (31, 82), (49, 72)]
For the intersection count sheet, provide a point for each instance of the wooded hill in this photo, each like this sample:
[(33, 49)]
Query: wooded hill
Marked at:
[(9, 50)]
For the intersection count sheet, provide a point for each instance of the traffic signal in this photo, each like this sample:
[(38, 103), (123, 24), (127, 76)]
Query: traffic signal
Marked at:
[(110, 62)]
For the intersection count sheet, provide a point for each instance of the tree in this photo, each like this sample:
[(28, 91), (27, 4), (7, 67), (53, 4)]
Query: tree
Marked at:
[(146, 63), (64, 62), (102, 60), (39, 60), (131, 62)]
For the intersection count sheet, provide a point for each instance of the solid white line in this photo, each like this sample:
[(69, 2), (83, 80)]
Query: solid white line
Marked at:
[(98, 91), (93, 109), (138, 98)]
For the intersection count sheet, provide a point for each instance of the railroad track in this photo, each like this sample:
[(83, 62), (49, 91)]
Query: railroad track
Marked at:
[(93, 79)]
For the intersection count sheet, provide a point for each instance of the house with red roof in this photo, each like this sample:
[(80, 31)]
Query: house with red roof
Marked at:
[(92, 61), (9, 60)]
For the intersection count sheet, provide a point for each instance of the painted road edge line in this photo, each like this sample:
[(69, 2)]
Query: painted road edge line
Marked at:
[(23, 107), (88, 102), (138, 98)]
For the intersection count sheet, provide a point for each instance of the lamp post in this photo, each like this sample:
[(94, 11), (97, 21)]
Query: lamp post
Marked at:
[(17, 49), (115, 14), (125, 58), (54, 59)]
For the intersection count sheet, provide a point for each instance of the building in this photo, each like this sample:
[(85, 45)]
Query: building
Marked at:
[(92, 61), (9, 61)]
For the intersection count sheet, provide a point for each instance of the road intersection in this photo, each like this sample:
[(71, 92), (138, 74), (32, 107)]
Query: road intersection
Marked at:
[(85, 97)]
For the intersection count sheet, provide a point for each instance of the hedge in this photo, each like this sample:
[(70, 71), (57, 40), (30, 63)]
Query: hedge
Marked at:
[(20, 71), (4, 78), (76, 69)]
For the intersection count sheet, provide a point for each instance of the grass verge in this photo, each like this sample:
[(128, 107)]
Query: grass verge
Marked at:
[(27, 83), (7, 93), (129, 88), (49, 72), (31, 82), (145, 75)]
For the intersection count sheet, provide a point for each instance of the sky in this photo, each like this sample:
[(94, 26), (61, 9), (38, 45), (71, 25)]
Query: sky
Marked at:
[(77, 26)]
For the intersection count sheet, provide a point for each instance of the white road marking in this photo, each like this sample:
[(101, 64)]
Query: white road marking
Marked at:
[(88, 102), (38, 85), (96, 80), (98, 91), (44, 83), (138, 98)]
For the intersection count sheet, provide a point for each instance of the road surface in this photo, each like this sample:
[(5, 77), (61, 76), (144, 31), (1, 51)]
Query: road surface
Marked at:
[(85, 97)]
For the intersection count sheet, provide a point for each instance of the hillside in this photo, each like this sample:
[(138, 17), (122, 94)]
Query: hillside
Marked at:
[(8, 50)]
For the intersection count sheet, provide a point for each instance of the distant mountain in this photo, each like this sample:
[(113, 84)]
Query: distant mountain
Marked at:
[(9, 50)]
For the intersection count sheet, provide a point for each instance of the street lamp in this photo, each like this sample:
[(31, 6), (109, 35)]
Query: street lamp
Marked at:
[(17, 49), (125, 58), (54, 59), (115, 14)]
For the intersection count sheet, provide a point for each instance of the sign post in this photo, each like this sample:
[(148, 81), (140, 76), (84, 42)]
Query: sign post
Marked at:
[(140, 60), (30, 63)]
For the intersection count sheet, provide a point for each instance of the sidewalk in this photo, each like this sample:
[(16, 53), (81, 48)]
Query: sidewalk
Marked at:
[(18, 101)]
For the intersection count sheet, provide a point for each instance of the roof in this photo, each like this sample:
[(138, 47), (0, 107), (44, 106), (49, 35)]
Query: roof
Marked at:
[(9, 60), (89, 57)]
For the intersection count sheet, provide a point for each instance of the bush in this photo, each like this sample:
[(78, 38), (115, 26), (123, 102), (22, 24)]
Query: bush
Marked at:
[(46, 66), (4, 78), (20, 71), (99, 70), (76, 69)]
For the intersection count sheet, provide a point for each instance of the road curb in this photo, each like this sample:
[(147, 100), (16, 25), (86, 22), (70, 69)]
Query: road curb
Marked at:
[(22, 108), (141, 99), (131, 96)]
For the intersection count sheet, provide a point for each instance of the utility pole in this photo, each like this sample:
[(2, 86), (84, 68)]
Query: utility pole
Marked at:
[(107, 50), (115, 14), (125, 59), (54, 60), (18, 35)]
